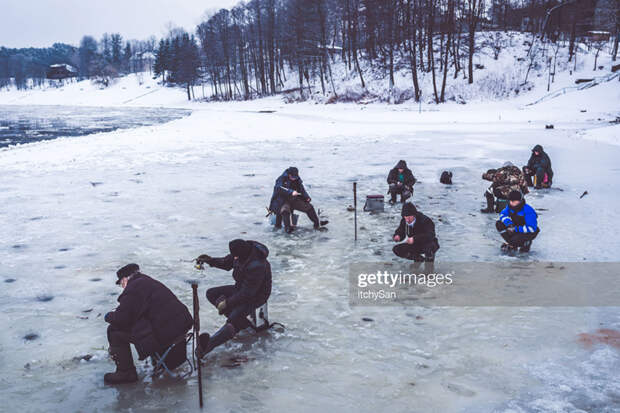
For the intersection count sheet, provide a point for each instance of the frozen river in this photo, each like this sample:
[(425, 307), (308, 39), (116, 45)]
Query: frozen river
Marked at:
[(68, 225)]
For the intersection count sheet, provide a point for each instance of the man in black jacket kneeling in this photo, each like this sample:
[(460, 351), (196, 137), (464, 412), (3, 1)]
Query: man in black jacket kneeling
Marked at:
[(252, 288), (418, 232), (149, 315)]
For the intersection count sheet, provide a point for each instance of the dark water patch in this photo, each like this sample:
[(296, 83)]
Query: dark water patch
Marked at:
[(249, 175), (21, 124), (18, 246), (87, 310), (31, 336), (258, 223), (64, 249), (44, 298), (367, 319), (60, 267), (36, 218), (95, 184), (10, 280)]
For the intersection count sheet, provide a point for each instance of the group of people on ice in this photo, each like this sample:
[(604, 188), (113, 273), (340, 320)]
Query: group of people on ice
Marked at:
[(151, 317)]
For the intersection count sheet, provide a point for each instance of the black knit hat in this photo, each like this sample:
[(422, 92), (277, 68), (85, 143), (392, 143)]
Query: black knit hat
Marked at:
[(515, 196), (292, 171), (127, 271), (408, 210), (240, 248)]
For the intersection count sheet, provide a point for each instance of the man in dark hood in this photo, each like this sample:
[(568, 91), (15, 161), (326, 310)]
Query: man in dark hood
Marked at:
[(149, 315), (538, 167), (400, 181), (418, 232), (252, 288), (289, 195), (517, 224)]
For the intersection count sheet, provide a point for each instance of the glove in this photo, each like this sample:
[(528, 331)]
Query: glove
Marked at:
[(108, 317), (511, 228), (204, 258), (221, 306)]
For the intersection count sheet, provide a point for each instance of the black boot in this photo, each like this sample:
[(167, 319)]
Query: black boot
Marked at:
[(286, 219), (125, 370), (526, 246), (315, 219), (207, 343), (278, 224), (490, 201)]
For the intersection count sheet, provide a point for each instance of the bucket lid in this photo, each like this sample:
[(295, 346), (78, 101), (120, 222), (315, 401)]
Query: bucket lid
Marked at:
[(374, 196)]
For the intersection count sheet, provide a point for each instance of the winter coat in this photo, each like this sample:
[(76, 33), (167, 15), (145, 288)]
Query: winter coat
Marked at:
[(252, 276), (408, 178), (423, 229), (506, 179), (283, 191), (541, 160), (151, 313), (524, 218)]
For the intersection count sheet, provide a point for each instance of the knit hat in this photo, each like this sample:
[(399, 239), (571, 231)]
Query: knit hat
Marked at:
[(515, 196), (408, 210), (293, 172)]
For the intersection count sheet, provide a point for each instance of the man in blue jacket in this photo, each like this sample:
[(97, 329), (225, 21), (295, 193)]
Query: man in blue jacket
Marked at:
[(252, 288), (289, 194), (517, 224)]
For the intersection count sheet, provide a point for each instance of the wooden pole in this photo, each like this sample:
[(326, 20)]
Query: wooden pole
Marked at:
[(196, 305), (355, 207)]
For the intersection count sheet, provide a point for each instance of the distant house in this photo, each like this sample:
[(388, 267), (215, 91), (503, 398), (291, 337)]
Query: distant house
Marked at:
[(61, 71)]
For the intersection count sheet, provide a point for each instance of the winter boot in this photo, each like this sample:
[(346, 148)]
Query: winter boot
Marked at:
[(286, 219), (315, 219), (526, 246), (207, 343), (490, 201), (125, 369), (392, 200)]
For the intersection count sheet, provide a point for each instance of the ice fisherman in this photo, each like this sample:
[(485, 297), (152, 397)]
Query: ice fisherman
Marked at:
[(289, 195), (418, 233), (538, 172), (517, 224), (400, 181), (150, 316), (252, 288), (505, 179)]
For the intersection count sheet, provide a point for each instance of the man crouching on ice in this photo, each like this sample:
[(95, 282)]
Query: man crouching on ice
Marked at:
[(252, 275), (418, 232), (517, 224), (149, 315)]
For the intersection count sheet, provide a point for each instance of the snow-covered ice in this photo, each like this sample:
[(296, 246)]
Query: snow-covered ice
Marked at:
[(167, 193)]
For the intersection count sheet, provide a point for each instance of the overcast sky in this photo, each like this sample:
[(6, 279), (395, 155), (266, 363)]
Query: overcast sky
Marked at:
[(40, 23)]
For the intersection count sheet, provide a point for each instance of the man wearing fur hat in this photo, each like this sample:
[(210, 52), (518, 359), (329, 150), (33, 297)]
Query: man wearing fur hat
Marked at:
[(149, 315)]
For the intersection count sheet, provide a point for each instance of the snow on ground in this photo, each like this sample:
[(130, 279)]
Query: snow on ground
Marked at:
[(75, 209)]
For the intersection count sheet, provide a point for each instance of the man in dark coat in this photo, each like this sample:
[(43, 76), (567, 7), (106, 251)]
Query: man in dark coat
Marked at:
[(418, 232), (505, 179), (539, 167), (400, 181), (517, 224), (149, 315), (289, 195), (252, 288)]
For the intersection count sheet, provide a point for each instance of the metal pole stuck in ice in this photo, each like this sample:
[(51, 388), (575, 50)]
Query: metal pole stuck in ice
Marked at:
[(196, 305), (355, 207)]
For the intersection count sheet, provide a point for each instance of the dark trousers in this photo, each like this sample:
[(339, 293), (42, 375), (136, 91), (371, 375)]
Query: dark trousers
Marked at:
[(237, 316), (298, 204), (119, 346), (404, 191), (516, 239), (539, 173), (416, 250)]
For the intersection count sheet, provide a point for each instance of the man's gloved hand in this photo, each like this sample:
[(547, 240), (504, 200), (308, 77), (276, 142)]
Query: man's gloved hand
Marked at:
[(511, 228), (108, 317), (203, 259), (221, 305), (309, 199)]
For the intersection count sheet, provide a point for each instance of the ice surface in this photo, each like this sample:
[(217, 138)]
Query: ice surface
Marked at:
[(167, 193)]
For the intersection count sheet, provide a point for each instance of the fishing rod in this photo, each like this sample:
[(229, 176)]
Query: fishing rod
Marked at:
[(196, 305)]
